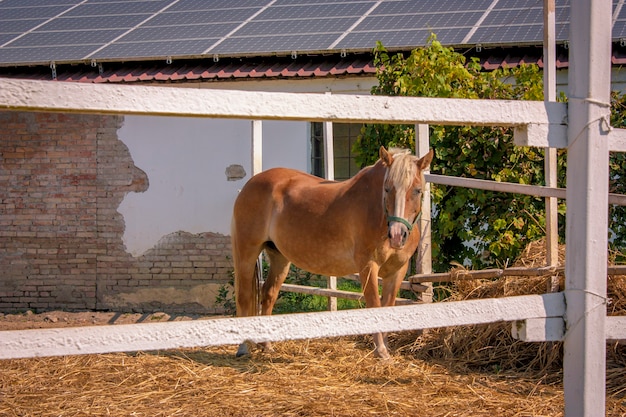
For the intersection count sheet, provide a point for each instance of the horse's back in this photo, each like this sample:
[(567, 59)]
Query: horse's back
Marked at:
[(273, 185), (260, 196), (280, 178)]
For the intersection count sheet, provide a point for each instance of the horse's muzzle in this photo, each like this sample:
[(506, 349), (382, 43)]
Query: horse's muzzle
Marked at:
[(398, 234)]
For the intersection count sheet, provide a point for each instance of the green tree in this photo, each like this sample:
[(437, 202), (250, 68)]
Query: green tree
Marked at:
[(482, 227), (617, 180)]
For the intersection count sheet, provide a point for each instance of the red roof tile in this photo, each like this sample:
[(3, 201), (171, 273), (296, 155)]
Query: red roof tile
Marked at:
[(266, 67), (321, 66)]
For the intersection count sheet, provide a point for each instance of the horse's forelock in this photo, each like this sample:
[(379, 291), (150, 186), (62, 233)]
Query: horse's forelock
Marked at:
[(403, 169)]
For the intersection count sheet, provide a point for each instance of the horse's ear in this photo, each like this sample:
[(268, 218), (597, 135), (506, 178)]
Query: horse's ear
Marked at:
[(385, 156), (425, 161)]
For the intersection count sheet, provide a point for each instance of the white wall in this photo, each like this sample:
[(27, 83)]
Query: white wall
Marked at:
[(185, 160)]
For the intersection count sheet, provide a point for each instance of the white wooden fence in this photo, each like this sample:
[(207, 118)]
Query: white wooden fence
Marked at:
[(577, 316)]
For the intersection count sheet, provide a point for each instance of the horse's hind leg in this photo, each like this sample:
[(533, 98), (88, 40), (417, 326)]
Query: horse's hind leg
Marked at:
[(246, 282), (279, 268)]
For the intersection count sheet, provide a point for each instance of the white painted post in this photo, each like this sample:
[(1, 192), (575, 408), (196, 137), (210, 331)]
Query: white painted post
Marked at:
[(550, 161), (329, 174), (257, 146), (424, 250), (257, 166), (584, 363)]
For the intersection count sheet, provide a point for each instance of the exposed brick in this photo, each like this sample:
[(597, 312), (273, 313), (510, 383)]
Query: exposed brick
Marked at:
[(62, 179)]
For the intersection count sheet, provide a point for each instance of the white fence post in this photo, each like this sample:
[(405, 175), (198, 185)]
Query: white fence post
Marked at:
[(257, 166), (584, 363), (424, 250), (550, 162), (257, 146), (329, 174)]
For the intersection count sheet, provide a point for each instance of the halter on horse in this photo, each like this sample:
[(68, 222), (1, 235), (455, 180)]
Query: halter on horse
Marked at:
[(364, 225)]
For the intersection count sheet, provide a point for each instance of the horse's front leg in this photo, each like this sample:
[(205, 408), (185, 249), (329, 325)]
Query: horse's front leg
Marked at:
[(391, 286), (369, 283)]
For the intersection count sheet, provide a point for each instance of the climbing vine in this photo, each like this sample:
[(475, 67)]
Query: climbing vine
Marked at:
[(475, 227)]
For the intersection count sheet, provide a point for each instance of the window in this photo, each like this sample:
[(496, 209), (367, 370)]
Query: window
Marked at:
[(344, 136)]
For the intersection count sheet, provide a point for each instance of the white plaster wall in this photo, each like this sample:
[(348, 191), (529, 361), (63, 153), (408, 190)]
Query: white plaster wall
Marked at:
[(185, 160)]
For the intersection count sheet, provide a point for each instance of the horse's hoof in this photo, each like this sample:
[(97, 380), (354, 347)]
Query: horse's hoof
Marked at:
[(267, 347), (382, 355)]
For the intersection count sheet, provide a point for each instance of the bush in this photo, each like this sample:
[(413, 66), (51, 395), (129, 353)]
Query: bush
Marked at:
[(474, 227)]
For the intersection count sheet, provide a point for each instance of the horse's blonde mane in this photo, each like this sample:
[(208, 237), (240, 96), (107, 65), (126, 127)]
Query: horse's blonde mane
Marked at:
[(403, 169)]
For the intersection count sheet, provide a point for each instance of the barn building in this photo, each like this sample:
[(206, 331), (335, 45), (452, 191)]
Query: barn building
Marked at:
[(132, 213)]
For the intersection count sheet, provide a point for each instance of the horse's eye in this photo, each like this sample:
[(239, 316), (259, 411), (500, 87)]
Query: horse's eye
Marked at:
[(417, 191), (387, 189)]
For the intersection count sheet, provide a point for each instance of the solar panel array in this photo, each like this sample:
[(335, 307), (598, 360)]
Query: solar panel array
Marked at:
[(42, 31)]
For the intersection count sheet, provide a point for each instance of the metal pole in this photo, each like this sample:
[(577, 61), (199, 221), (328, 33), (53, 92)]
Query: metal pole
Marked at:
[(584, 365)]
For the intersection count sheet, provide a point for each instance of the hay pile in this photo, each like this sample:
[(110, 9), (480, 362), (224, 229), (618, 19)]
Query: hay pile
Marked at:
[(337, 377), (491, 347), (476, 370)]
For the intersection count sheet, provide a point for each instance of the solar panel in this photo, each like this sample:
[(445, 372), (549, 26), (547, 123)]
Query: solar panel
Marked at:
[(523, 34), (425, 21), (296, 27), (35, 3), (17, 27), (399, 38), (178, 32), (619, 29), (146, 50), (418, 7), (118, 8), (40, 31), (189, 5), (314, 11), (201, 17), (513, 17), (40, 12), (273, 44), (6, 37), (93, 22), (82, 37), (43, 54)]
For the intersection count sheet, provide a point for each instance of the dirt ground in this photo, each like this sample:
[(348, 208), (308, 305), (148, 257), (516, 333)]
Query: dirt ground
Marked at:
[(325, 377), (52, 319)]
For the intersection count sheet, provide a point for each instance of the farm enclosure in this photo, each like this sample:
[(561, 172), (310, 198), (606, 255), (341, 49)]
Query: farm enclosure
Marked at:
[(587, 136), (473, 370)]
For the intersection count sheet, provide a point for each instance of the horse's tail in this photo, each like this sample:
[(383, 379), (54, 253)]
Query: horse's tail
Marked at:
[(258, 280)]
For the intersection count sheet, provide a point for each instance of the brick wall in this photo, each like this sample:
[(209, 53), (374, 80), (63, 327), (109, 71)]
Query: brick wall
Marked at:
[(62, 178)]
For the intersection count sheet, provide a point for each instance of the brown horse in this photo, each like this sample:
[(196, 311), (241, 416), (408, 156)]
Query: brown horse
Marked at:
[(363, 225)]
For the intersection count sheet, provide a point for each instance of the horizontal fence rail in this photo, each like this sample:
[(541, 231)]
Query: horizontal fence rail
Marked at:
[(508, 187), (352, 295), (536, 122), (232, 331), (462, 274), (330, 292)]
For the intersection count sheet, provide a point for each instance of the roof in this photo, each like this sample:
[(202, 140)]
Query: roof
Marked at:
[(188, 40), (72, 31), (350, 65)]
